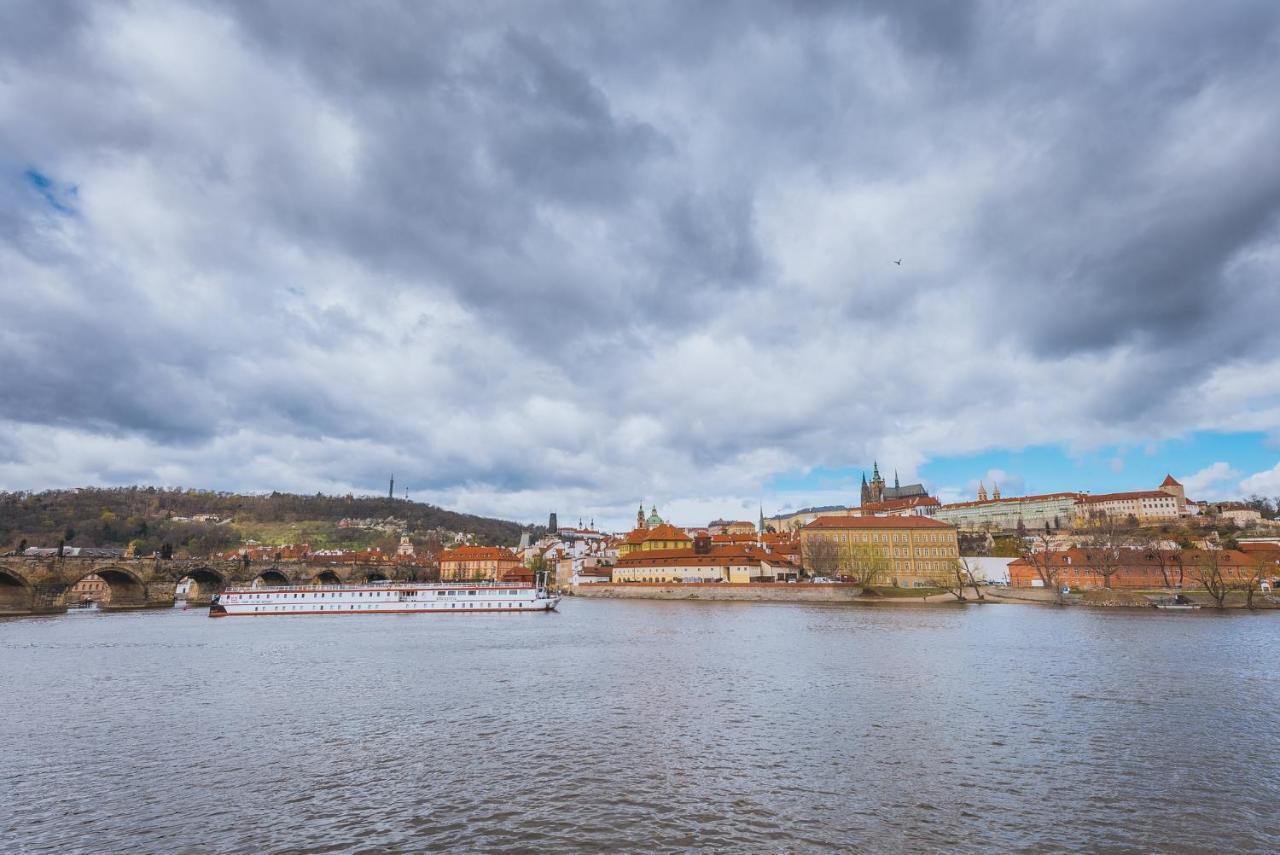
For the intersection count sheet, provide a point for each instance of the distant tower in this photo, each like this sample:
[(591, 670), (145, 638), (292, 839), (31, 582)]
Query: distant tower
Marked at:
[(896, 485), (866, 493), (551, 523), (995, 490), (640, 516), (982, 492), (876, 491), (1171, 486), (761, 529), (391, 491)]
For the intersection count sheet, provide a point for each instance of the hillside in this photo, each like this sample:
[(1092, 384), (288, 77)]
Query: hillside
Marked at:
[(147, 517)]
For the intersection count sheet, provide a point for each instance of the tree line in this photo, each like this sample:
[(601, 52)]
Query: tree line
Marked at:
[(121, 516)]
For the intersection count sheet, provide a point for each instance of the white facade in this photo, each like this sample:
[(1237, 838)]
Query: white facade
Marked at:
[(380, 599)]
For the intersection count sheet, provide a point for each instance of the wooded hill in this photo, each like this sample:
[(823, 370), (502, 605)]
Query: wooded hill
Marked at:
[(143, 516)]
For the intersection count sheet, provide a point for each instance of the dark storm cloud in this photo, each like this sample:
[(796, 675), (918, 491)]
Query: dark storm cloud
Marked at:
[(574, 249)]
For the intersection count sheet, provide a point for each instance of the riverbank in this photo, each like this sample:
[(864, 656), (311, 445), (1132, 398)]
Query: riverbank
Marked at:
[(765, 592), (809, 593)]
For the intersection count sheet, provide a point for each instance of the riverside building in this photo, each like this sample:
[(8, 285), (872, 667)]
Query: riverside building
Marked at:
[(706, 562), (469, 563), (914, 551), (1006, 514)]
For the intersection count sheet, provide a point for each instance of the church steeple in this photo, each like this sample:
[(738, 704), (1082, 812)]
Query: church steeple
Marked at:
[(640, 516), (982, 492), (995, 490), (896, 485)]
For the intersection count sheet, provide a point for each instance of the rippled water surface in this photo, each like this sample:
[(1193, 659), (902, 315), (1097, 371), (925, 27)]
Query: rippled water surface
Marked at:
[(642, 726)]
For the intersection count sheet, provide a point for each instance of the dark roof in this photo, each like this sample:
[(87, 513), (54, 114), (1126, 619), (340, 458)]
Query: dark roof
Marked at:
[(904, 492)]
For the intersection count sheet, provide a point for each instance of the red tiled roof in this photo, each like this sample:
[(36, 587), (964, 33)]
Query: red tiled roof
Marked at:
[(478, 553), (1169, 482), (1011, 499), (1259, 547), (719, 554), (899, 504), (878, 522), (665, 531), (1136, 494)]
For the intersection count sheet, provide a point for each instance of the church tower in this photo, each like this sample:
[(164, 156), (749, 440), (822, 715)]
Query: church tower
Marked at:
[(866, 491), (640, 516), (876, 493), (982, 492), (995, 490)]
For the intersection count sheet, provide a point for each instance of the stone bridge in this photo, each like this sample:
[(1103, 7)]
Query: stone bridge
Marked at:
[(39, 585)]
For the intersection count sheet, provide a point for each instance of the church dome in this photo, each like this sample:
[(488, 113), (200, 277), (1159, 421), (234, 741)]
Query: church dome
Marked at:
[(654, 519)]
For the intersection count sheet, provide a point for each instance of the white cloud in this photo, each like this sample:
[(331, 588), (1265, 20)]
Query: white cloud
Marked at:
[(1209, 482), (1265, 483), (529, 266)]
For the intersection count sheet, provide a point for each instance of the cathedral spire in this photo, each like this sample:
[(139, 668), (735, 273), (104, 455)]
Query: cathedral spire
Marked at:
[(895, 479)]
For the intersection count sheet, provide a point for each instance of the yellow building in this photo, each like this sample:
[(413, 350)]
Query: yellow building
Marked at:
[(909, 552), (661, 536)]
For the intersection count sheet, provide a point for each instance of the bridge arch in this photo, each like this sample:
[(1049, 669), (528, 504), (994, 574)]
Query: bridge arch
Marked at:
[(15, 593), (127, 591), (326, 577), (203, 584), (270, 578), (375, 576)]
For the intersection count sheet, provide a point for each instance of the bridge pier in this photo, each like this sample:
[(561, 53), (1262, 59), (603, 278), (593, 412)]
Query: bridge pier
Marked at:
[(37, 586)]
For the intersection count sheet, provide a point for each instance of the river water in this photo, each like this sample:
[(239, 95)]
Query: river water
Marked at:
[(642, 726)]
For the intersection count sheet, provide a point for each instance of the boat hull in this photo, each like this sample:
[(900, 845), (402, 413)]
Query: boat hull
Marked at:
[(381, 599)]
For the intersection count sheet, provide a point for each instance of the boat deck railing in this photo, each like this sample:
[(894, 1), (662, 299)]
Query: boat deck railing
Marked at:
[(387, 586)]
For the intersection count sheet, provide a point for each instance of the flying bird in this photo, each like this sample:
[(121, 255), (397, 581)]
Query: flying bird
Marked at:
[(898, 262)]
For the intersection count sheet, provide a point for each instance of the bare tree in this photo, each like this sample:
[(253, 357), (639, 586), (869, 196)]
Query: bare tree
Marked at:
[(1262, 566), (1170, 563), (821, 555), (959, 576), (1104, 547), (1207, 570), (1038, 555), (868, 563)]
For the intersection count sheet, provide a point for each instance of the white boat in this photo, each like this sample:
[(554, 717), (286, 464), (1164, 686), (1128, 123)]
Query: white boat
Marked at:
[(383, 598)]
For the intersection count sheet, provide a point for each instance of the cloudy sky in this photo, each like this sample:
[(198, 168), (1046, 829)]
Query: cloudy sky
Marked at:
[(542, 256)]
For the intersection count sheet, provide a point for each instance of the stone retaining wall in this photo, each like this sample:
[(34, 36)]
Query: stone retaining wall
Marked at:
[(797, 593)]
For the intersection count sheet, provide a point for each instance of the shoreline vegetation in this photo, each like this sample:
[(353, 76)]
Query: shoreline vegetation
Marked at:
[(936, 597)]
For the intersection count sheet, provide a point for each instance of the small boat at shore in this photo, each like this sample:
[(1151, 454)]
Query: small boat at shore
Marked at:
[(384, 598), (1176, 604)]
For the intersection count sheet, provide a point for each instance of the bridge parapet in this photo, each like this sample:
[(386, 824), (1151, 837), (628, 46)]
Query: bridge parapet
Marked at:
[(39, 585)]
